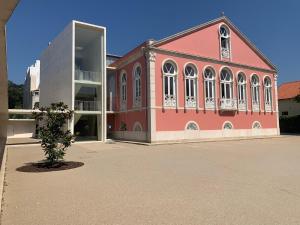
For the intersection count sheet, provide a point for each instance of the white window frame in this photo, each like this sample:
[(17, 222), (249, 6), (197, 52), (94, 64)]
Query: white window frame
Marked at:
[(192, 122), (137, 124), (226, 84), (123, 91), (209, 88), (254, 125), (268, 100), (170, 99), (191, 101), (137, 86), (225, 52), (242, 91), (255, 93), (225, 123)]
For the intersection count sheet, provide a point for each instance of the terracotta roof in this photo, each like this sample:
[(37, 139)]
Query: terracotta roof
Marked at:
[(289, 90)]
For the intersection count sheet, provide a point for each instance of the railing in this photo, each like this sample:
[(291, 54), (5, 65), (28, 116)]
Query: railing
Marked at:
[(255, 106), (228, 104), (170, 100), (242, 104), (86, 105), (225, 53), (210, 103), (87, 75), (268, 106), (190, 101)]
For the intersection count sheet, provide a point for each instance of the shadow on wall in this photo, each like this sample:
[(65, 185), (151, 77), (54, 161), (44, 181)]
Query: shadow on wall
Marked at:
[(2, 146), (290, 124)]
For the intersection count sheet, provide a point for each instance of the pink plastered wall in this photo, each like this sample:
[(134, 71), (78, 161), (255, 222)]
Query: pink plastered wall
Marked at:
[(205, 42), (172, 119), (131, 115)]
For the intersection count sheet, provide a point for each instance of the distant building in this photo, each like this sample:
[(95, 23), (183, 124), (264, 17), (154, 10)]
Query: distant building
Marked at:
[(286, 99), (31, 86)]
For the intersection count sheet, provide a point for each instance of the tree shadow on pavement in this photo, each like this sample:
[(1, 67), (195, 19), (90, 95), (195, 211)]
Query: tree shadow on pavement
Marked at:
[(41, 167)]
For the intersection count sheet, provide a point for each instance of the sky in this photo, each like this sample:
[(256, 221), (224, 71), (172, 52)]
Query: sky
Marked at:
[(273, 26)]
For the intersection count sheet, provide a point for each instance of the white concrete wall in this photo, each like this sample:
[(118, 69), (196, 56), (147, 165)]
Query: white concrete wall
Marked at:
[(289, 105), (56, 81), (21, 128)]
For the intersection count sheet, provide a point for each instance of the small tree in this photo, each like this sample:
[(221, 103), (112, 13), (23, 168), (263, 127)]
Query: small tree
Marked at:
[(55, 137)]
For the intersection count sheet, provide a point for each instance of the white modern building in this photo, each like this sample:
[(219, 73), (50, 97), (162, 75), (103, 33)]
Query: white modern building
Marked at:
[(73, 70), (31, 86)]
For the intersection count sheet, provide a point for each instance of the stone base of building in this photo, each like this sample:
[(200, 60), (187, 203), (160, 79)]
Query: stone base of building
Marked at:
[(165, 136)]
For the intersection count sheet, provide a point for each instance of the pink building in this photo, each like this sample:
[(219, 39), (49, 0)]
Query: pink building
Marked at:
[(209, 81)]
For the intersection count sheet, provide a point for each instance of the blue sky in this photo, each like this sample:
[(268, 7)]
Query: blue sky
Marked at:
[(273, 26)]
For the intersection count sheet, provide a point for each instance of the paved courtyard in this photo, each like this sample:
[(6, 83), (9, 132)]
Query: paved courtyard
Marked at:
[(230, 182)]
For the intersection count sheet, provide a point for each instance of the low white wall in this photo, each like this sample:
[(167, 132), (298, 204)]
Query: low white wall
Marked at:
[(130, 135), (21, 128), (207, 134)]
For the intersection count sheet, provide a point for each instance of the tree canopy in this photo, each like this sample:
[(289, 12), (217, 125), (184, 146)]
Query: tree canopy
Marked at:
[(15, 95)]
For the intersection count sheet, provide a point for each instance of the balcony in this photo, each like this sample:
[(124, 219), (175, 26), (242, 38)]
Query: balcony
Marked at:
[(86, 105), (228, 104), (268, 106), (90, 76), (190, 102), (242, 104), (225, 53)]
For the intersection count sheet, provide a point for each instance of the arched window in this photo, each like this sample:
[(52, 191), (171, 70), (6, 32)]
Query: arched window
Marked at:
[(169, 83), (256, 125), (209, 86), (226, 84), (227, 126), (137, 86), (123, 91), (190, 73), (268, 93), (225, 41), (255, 92), (192, 126), (137, 127), (242, 94)]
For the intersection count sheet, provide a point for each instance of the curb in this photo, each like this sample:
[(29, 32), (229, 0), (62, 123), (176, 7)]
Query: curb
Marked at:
[(2, 178)]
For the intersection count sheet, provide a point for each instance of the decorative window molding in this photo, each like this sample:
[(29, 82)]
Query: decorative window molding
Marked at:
[(227, 125), (268, 93), (192, 126), (137, 85), (209, 78), (242, 91), (137, 127), (191, 85), (225, 48), (256, 125), (170, 73), (227, 101), (123, 90), (255, 93)]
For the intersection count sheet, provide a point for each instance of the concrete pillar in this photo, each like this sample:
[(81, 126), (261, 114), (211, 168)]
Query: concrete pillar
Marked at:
[(151, 97), (3, 84), (276, 102)]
